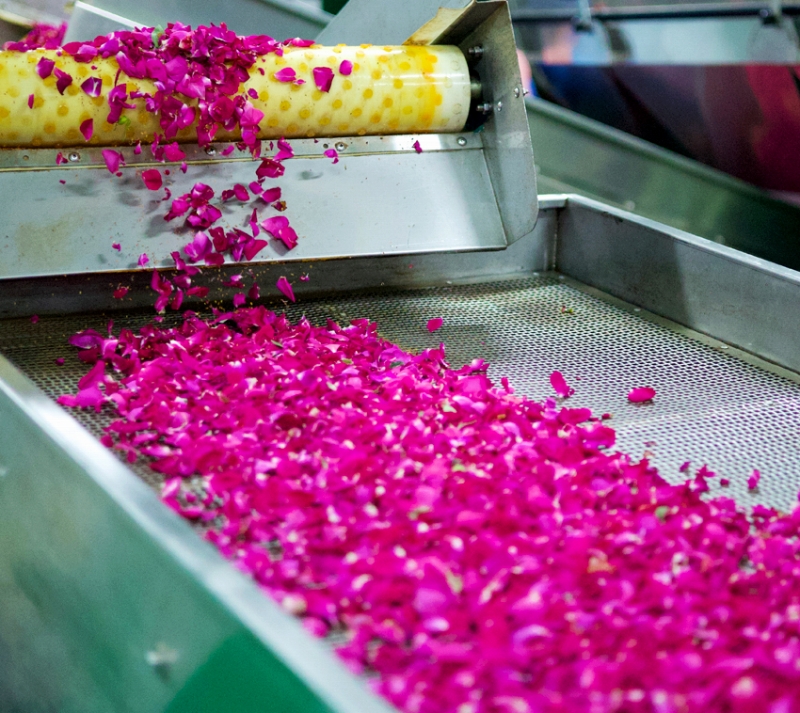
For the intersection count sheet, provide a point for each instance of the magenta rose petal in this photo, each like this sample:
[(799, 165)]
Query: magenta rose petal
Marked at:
[(31, 99), (287, 74), (560, 386), (417, 146), (113, 159), (641, 394), (87, 129), (152, 179), (283, 285), (346, 67), (92, 86), (323, 78), (435, 324)]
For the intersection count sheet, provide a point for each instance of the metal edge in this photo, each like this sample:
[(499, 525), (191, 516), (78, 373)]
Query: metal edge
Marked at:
[(506, 134), (719, 291), (27, 159), (315, 664), (701, 244)]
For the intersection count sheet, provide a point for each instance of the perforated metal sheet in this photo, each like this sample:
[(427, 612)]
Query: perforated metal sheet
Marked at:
[(711, 406)]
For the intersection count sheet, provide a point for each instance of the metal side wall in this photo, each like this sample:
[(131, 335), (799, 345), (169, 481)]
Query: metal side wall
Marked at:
[(112, 603), (578, 155)]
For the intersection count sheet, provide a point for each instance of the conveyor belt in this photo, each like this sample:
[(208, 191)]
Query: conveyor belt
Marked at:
[(711, 407)]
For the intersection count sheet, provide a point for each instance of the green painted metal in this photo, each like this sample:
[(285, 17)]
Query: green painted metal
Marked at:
[(578, 155), (89, 595)]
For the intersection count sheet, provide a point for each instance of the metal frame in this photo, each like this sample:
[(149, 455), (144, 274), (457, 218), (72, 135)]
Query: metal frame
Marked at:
[(88, 555)]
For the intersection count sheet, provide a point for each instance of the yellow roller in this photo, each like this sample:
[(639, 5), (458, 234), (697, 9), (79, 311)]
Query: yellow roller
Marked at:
[(391, 90)]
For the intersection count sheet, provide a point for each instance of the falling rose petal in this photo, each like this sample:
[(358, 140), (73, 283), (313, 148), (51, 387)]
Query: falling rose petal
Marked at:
[(287, 74), (62, 181), (87, 129), (92, 86), (283, 285), (238, 299), (323, 77), (228, 150), (113, 159), (270, 169), (44, 67), (184, 166), (173, 152), (143, 260), (417, 146), (285, 151), (435, 324), (120, 292), (253, 293), (30, 101), (304, 278), (346, 67), (137, 149), (59, 361), (152, 179), (752, 481), (60, 159), (332, 153), (34, 318), (116, 246), (641, 394), (63, 80)]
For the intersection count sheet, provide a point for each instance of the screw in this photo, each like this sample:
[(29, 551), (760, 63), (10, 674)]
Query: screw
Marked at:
[(74, 156), (476, 52), (161, 658), (499, 106), (341, 146), (461, 141), (485, 108), (210, 150)]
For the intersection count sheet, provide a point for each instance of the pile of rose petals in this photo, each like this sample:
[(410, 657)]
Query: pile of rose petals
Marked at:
[(478, 551)]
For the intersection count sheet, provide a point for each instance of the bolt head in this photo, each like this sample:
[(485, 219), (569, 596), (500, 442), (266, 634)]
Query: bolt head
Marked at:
[(461, 141)]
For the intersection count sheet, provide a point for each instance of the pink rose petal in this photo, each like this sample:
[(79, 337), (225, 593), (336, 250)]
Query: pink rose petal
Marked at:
[(641, 394), (283, 285), (346, 67), (143, 260), (116, 246), (92, 86), (30, 101), (332, 153), (417, 146), (560, 386), (113, 160), (44, 67), (287, 74), (34, 318), (323, 78), (435, 324), (152, 179), (63, 80), (752, 481), (87, 129)]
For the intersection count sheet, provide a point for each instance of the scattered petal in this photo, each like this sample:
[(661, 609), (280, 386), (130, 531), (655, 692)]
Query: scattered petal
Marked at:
[(87, 129), (641, 394), (417, 146), (560, 386), (323, 78), (435, 324), (152, 179), (346, 67)]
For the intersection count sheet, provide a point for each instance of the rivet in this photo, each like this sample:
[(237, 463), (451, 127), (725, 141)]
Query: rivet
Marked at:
[(461, 141), (210, 150), (74, 156), (499, 106), (341, 146), (517, 92)]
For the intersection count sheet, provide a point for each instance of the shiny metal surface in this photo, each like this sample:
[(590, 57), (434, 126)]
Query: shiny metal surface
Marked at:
[(279, 18), (369, 204), (575, 154)]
